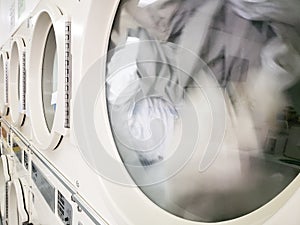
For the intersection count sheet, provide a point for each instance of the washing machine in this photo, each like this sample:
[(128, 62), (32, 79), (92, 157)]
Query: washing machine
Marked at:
[(3, 85), (48, 72), (162, 114)]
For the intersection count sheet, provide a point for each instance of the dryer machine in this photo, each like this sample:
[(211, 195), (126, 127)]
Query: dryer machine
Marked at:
[(188, 111)]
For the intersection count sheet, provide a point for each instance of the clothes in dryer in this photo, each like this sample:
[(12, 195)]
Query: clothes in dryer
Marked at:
[(208, 74)]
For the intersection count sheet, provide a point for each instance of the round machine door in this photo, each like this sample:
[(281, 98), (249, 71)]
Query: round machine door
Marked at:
[(199, 102), (4, 178), (17, 212), (3, 83), (46, 89), (17, 82)]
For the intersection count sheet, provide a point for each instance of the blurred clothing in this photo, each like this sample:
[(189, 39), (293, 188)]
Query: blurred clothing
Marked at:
[(161, 51)]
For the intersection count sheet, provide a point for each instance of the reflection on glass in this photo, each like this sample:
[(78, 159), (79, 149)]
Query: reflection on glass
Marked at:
[(49, 78), (158, 101)]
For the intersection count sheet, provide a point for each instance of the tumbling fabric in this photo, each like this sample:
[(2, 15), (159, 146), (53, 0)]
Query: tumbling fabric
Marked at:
[(159, 53), (234, 38)]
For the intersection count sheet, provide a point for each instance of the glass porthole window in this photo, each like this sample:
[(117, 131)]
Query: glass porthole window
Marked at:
[(15, 70), (49, 78), (167, 61), (15, 91)]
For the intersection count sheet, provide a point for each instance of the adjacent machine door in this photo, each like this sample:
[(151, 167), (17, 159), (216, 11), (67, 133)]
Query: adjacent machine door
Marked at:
[(46, 89)]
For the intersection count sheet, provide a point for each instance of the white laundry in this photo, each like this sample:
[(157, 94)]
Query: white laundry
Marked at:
[(252, 47), (152, 123), (147, 138)]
